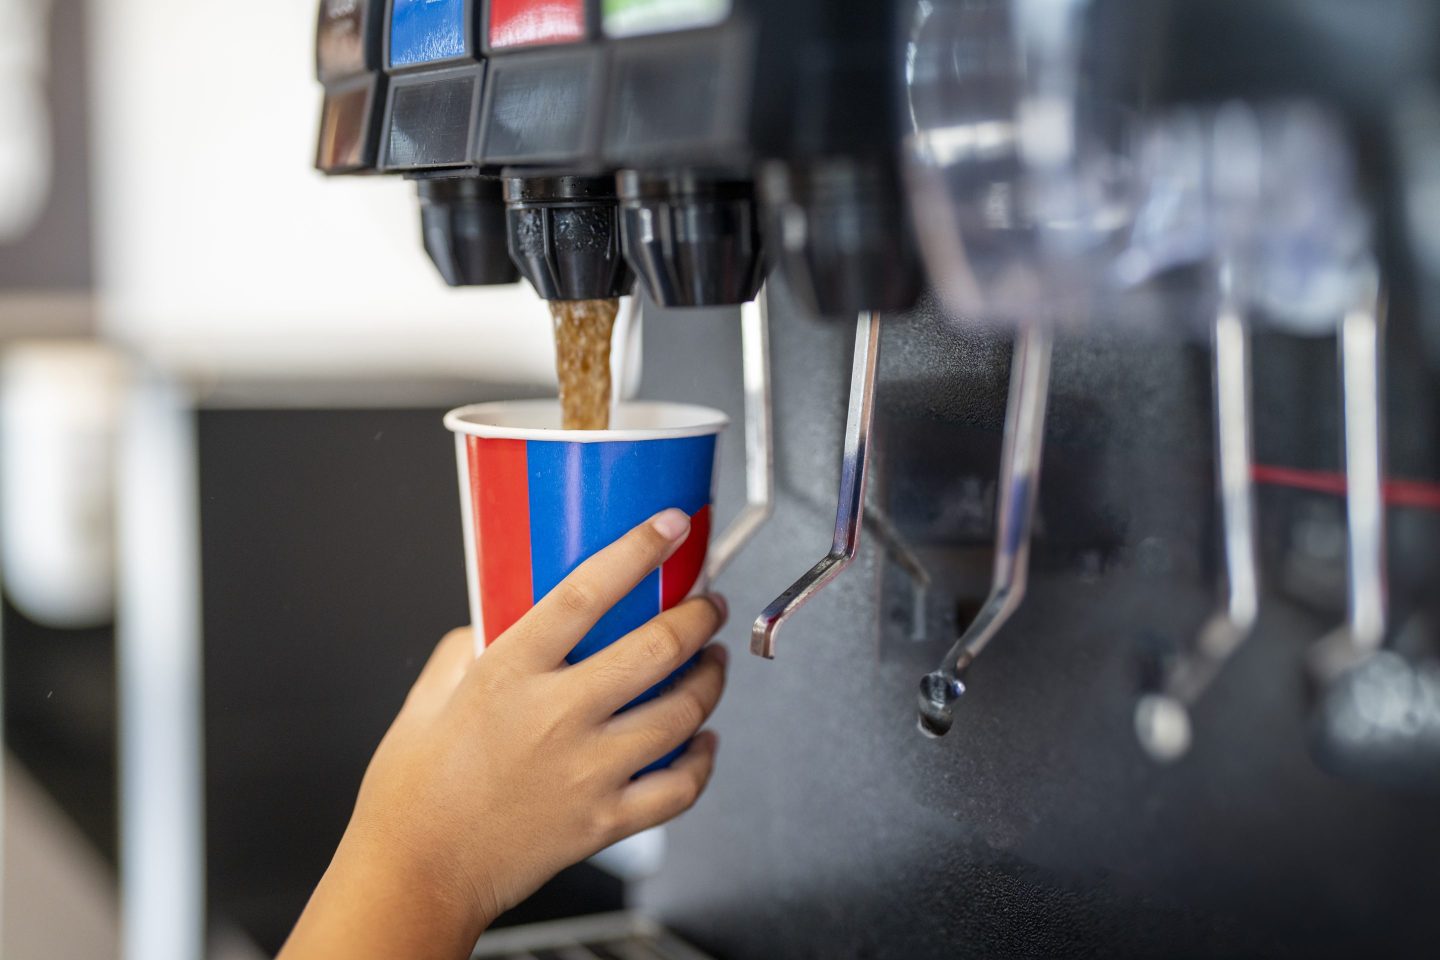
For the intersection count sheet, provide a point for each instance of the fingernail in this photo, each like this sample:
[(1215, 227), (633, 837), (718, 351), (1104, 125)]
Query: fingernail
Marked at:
[(720, 654), (671, 524), (722, 605)]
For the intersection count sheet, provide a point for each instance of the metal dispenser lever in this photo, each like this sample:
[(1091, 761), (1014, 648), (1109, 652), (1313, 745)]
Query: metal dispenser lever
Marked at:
[(1014, 516), (849, 512), (759, 445), (1162, 720), (1362, 386)]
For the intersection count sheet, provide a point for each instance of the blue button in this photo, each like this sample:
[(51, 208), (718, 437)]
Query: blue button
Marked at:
[(422, 31)]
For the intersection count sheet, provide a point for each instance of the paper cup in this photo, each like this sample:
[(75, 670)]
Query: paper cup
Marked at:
[(536, 501)]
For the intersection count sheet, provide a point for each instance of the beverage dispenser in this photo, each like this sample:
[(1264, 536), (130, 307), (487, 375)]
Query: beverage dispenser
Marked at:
[(1064, 173), (1062, 160), (688, 143), (700, 104), (1305, 200), (1155, 181)]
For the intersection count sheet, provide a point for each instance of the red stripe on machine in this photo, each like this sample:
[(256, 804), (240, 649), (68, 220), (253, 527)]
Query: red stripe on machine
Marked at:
[(1418, 494), (502, 531)]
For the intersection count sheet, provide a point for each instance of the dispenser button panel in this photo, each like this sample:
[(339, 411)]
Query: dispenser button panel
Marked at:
[(427, 31), (430, 122), (436, 85), (347, 60), (520, 23), (633, 18), (542, 106), (341, 40), (344, 130)]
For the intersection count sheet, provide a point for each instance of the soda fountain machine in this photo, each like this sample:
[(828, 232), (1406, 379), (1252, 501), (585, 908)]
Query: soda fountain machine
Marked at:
[(1255, 185), (587, 144), (1101, 191)]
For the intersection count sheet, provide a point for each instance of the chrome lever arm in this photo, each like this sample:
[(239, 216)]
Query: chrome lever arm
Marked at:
[(1014, 517), (759, 444), (1363, 387), (849, 512), (1162, 719)]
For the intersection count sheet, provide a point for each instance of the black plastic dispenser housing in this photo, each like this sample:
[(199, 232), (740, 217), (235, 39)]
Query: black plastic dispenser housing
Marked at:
[(463, 222), (805, 87), (840, 230), (692, 239), (564, 235), (731, 121)]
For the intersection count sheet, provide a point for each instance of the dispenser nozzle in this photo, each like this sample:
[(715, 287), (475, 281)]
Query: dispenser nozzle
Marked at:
[(564, 235), (463, 222), (692, 239)]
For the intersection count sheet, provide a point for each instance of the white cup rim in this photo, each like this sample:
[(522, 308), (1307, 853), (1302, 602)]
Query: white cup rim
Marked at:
[(526, 419)]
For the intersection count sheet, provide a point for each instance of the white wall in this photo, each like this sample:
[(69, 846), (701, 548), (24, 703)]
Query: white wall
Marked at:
[(220, 248)]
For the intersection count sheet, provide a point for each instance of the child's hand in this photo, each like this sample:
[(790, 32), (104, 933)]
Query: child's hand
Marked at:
[(500, 771)]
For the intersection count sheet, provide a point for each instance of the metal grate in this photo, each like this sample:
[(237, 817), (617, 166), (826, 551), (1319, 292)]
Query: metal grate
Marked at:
[(606, 936)]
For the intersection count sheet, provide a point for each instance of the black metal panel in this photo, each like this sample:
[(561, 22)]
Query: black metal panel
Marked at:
[(1038, 828)]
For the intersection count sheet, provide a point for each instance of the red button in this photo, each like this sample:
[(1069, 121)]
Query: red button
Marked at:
[(517, 23)]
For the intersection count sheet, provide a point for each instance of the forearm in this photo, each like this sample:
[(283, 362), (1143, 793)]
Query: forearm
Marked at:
[(372, 903)]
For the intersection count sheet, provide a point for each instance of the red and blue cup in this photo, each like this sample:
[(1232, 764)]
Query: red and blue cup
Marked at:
[(537, 500)]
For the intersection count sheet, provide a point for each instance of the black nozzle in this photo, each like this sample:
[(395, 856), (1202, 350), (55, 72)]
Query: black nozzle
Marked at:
[(692, 239), (564, 235), (840, 229), (463, 221)]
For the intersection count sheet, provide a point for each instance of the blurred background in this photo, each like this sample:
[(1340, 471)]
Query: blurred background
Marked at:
[(162, 227), (229, 526)]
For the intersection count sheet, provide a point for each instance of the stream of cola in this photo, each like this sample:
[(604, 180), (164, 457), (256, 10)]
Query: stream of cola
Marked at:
[(582, 360)]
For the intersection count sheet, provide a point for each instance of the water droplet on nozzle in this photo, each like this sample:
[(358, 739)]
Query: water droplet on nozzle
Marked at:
[(937, 693), (933, 726)]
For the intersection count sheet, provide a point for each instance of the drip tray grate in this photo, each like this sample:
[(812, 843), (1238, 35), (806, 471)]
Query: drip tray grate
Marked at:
[(605, 936)]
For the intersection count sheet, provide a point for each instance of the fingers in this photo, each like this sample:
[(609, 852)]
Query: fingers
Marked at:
[(642, 658), (641, 736), (549, 631), (665, 794), (442, 673)]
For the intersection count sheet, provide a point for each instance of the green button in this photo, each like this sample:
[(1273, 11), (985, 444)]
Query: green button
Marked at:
[(632, 18)]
